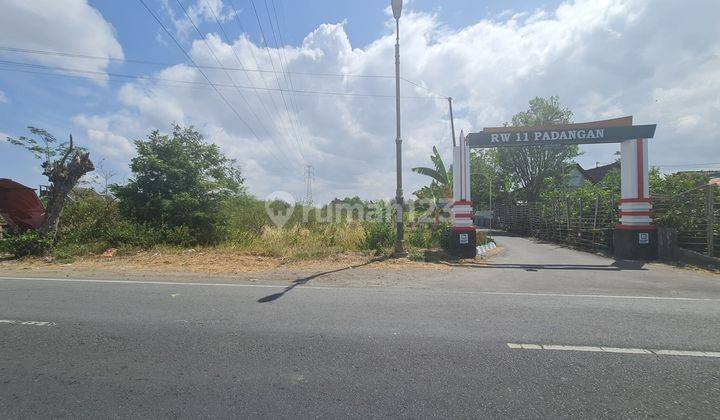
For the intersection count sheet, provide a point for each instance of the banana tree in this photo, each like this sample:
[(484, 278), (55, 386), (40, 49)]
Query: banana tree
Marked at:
[(440, 187)]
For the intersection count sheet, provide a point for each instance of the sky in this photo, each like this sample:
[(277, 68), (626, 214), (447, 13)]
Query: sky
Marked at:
[(108, 73)]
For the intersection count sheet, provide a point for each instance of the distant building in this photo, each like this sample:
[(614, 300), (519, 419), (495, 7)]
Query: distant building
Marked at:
[(594, 175)]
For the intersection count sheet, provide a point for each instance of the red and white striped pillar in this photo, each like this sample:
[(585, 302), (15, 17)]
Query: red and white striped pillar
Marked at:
[(635, 202), (462, 211)]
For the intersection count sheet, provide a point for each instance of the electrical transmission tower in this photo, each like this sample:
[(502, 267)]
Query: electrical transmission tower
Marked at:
[(309, 177)]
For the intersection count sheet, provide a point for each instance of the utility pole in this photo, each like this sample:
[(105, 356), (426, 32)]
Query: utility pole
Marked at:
[(452, 122), (309, 177), (492, 212), (710, 203), (399, 201)]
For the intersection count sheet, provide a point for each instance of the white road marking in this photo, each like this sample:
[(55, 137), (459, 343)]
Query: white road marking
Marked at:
[(531, 294), (572, 348), (626, 351), (35, 323), (603, 349), (274, 286)]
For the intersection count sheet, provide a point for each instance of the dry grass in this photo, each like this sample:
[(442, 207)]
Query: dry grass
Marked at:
[(298, 243), (328, 246), (323, 247), (211, 261)]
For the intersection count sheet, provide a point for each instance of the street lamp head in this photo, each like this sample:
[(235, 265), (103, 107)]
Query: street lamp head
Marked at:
[(396, 8)]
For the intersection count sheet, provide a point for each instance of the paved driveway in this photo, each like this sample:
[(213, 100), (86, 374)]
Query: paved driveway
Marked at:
[(527, 265)]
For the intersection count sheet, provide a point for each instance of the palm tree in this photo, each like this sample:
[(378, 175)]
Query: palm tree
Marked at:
[(440, 187)]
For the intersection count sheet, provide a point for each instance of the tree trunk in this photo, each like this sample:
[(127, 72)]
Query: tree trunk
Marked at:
[(63, 177)]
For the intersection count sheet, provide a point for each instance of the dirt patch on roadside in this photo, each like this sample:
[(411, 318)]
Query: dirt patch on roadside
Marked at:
[(211, 262)]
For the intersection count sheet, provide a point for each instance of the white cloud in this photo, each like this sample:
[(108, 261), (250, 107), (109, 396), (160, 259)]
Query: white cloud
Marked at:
[(100, 135), (199, 12), (604, 58), (3, 97), (69, 26)]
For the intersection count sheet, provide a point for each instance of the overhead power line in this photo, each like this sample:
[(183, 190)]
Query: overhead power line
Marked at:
[(239, 23), (288, 78), (222, 97), (272, 64), (206, 67), (193, 83), (232, 81), (101, 76), (239, 62)]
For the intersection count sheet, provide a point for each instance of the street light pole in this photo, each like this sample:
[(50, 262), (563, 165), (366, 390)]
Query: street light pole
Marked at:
[(492, 213), (399, 201)]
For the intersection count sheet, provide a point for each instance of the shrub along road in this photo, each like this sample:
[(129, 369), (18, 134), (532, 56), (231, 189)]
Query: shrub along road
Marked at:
[(458, 341)]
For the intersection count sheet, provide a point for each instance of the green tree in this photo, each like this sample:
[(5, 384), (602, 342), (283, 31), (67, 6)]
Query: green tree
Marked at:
[(487, 181), (529, 167), (179, 180)]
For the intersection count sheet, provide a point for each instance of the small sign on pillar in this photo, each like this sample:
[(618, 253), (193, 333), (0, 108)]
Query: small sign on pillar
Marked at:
[(464, 239)]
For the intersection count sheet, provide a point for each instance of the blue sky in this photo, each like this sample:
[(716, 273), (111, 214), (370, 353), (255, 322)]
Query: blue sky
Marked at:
[(605, 58)]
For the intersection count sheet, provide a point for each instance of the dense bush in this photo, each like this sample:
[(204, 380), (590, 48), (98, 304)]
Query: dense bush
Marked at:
[(444, 237), (244, 215), (378, 235), (425, 236), (26, 243), (92, 223), (680, 201)]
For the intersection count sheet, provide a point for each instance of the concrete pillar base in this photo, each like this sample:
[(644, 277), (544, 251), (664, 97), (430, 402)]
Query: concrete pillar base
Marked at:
[(635, 244), (463, 243)]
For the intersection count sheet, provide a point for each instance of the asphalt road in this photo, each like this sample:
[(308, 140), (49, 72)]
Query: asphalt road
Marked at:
[(434, 346)]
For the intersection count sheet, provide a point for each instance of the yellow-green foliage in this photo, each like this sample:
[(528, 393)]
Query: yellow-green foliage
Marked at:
[(92, 223), (299, 242)]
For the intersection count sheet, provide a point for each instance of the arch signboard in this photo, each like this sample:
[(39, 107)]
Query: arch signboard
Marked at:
[(634, 236), (609, 131)]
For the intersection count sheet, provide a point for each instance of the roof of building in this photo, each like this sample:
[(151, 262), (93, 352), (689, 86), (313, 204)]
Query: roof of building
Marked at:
[(20, 205), (597, 174)]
